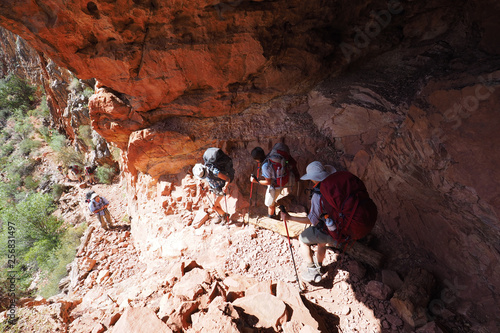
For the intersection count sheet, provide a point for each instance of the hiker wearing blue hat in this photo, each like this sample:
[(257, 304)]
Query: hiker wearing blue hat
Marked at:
[(99, 206), (314, 234)]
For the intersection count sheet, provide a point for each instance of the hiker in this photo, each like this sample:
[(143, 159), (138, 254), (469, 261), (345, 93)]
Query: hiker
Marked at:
[(278, 170), (90, 173), (77, 173), (315, 233), (99, 205), (218, 171), (341, 213)]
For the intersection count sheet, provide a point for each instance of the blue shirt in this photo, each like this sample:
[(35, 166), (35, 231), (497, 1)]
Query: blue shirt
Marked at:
[(268, 171), (94, 205), (316, 210)]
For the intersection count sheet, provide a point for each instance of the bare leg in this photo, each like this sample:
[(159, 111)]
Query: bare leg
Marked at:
[(320, 253), (217, 205), (306, 253), (271, 209)]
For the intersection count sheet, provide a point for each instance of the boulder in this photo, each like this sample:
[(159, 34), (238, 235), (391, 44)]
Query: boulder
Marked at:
[(300, 313), (262, 310), (192, 284), (140, 320)]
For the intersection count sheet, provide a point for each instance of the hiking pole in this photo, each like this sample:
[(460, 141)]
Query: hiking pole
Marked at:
[(251, 191), (250, 199), (213, 206), (283, 210), (227, 214)]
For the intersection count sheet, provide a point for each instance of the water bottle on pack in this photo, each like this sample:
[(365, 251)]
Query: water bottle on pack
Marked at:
[(330, 224)]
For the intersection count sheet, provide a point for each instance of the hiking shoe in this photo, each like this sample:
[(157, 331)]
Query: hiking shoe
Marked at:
[(276, 217), (225, 219), (311, 274), (322, 269)]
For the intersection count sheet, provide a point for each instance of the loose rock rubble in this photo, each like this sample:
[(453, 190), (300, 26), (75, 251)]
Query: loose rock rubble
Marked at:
[(244, 282)]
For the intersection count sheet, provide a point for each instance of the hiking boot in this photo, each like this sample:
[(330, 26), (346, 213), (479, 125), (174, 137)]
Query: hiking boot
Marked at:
[(225, 219), (312, 274), (222, 219), (322, 269), (275, 216)]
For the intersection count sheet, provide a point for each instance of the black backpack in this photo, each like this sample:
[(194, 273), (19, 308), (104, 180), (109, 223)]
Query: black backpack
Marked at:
[(217, 158), (88, 195)]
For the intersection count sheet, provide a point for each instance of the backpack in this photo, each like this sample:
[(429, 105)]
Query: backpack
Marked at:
[(88, 195), (90, 169), (217, 158), (75, 169), (346, 201), (282, 163)]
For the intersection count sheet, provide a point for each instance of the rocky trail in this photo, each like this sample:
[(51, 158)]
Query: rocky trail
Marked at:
[(114, 287), (205, 277)]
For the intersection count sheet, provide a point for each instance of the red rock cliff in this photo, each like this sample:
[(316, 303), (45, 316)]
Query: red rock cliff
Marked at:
[(404, 94)]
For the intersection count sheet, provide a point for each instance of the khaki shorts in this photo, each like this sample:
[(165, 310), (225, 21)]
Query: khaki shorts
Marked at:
[(271, 195), (312, 235)]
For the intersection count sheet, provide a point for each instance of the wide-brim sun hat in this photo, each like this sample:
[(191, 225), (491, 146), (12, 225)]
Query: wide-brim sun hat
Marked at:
[(317, 171), (93, 196), (199, 170)]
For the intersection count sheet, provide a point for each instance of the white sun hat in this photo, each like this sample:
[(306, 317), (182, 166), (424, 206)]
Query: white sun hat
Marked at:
[(199, 170), (317, 171)]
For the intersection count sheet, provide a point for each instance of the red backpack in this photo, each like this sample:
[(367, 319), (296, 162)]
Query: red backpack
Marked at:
[(282, 163), (346, 201)]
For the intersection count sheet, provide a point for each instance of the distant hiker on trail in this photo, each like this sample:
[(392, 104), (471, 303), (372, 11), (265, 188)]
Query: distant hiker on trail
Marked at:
[(77, 173), (99, 206), (218, 171), (341, 213), (279, 169), (90, 173)]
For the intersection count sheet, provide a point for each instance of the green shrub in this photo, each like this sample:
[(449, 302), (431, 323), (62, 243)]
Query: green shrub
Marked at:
[(85, 134), (65, 154), (54, 269), (35, 233), (45, 133), (27, 146), (105, 174), (7, 149), (15, 94), (24, 128), (57, 191), (42, 111), (57, 142), (19, 165), (87, 92), (30, 183)]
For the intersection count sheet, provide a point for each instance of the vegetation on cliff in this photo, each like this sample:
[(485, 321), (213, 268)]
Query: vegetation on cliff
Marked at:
[(32, 239)]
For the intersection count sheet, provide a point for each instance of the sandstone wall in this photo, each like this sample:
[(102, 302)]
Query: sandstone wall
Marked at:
[(404, 94)]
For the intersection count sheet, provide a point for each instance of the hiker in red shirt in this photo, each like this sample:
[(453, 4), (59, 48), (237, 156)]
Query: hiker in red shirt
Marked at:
[(77, 173)]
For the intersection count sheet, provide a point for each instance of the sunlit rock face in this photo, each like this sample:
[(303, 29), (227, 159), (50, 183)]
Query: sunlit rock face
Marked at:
[(404, 94)]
